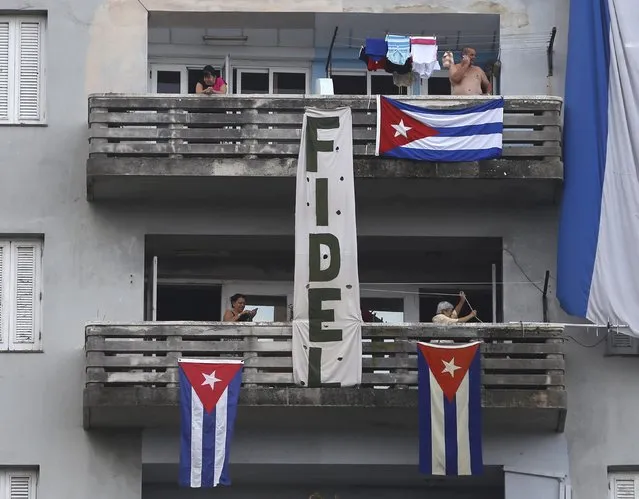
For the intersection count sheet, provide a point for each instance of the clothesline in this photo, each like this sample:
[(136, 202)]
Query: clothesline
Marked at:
[(440, 37), (443, 48)]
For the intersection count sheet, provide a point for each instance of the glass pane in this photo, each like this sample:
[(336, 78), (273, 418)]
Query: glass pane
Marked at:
[(289, 83), (169, 82), (388, 310), (383, 85), (195, 75), (270, 308), (438, 86), (254, 83), (349, 84)]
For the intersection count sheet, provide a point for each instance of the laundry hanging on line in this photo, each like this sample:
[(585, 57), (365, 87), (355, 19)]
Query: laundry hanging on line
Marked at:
[(401, 55)]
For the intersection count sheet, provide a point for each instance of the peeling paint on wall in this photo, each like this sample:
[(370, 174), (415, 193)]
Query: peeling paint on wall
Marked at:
[(117, 52)]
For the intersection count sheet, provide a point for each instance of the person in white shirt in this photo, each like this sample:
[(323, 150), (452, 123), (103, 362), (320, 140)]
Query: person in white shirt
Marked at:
[(447, 314)]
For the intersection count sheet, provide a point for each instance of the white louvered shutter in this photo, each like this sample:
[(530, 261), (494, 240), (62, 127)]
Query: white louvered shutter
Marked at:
[(29, 68), (4, 295), (25, 319), (624, 486), (5, 64), (21, 485)]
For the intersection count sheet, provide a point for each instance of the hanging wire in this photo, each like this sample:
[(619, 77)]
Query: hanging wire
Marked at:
[(522, 270)]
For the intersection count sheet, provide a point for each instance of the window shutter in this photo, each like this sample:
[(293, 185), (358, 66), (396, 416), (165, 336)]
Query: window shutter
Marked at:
[(29, 70), (21, 485), (4, 295), (4, 70), (26, 296), (624, 487)]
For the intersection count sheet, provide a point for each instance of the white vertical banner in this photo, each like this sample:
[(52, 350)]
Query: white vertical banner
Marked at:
[(327, 333)]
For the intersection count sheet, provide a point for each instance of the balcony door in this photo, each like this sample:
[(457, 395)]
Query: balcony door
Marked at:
[(271, 81), (168, 79)]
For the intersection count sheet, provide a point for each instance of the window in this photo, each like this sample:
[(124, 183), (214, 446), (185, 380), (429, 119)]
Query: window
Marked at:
[(623, 485), (16, 483), (364, 83), (20, 295), (270, 81), (21, 70)]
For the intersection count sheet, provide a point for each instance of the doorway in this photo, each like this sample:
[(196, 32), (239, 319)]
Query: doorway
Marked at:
[(189, 303)]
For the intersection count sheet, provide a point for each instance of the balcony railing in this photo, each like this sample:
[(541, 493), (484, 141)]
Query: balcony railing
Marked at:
[(135, 365), (166, 126)]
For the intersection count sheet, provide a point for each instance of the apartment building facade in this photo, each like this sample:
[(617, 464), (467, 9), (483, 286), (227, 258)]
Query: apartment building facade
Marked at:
[(123, 211)]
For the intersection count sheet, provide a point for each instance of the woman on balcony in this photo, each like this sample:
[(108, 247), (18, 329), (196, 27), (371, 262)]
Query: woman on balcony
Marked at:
[(446, 314), (210, 83), (237, 313)]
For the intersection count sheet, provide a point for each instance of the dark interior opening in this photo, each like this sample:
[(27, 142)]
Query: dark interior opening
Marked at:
[(189, 303), (439, 267)]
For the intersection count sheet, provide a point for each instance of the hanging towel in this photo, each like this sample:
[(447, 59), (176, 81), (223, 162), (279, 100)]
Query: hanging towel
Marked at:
[(424, 54), (375, 49), (398, 49)]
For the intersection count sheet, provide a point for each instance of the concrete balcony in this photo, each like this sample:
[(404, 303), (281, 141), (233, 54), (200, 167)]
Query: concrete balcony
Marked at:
[(131, 373), (190, 147)]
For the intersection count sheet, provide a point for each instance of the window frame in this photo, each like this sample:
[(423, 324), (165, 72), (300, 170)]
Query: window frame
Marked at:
[(369, 76), (5, 480), (623, 475), (270, 70), (14, 75), (9, 343), (174, 68)]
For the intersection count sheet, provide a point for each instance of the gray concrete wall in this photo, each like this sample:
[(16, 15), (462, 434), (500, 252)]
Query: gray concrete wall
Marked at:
[(93, 255), (534, 463)]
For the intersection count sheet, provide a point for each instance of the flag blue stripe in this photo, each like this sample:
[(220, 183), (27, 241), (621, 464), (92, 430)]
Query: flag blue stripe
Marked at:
[(208, 448), (470, 130), (450, 435), (474, 415), (233, 397), (585, 143), (184, 476), (444, 156), (425, 442), (487, 106)]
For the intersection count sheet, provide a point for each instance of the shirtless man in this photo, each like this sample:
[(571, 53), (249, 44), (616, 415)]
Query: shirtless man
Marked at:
[(466, 79)]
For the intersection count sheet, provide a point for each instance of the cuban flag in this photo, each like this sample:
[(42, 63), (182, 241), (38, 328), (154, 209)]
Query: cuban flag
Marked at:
[(598, 253), (209, 392), (451, 135), (449, 386)]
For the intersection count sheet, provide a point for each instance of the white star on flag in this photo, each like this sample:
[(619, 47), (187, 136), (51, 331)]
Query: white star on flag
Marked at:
[(401, 129), (210, 379), (450, 367)]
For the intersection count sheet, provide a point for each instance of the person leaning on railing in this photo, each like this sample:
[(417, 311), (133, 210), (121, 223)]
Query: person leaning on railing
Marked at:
[(210, 83)]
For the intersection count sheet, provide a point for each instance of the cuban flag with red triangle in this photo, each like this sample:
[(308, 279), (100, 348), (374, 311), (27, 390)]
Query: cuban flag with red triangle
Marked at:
[(449, 387), (209, 393), (472, 133)]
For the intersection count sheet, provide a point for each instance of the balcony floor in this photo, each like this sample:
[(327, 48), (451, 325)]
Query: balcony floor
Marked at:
[(145, 407)]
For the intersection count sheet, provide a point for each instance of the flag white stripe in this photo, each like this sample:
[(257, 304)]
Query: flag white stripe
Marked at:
[(452, 120), (465, 143), (220, 435), (197, 419), (438, 432), (463, 438)]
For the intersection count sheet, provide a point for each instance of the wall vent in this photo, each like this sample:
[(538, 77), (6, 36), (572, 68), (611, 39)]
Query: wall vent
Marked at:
[(621, 344)]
